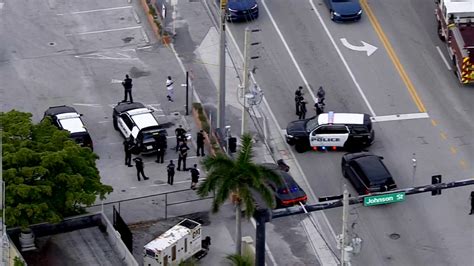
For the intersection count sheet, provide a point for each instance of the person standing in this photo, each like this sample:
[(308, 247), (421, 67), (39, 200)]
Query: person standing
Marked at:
[(127, 85), (302, 110), (170, 169), (169, 88), (200, 143), (127, 146), (298, 98), (321, 95), (319, 107), (183, 154), (194, 176), (180, 133), (140, 166), (472, 203), (160, 152)]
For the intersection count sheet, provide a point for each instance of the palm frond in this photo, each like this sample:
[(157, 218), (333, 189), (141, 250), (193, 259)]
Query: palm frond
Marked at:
[(245, 153), (240, 260)]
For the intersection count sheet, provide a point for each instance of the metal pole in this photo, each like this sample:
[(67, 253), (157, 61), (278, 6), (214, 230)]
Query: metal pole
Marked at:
[(166, 206), (187, 93), (413, 160), (260, 239), (345, 207), (245, 79), (221, 92)]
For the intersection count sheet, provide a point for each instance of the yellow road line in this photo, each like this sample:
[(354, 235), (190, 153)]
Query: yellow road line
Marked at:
[(393, 56), (453, 150), (433, 122), (463, 164), (443, 135)]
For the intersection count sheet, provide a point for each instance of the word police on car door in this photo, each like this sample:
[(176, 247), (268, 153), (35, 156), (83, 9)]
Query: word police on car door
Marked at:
[(329, 135)]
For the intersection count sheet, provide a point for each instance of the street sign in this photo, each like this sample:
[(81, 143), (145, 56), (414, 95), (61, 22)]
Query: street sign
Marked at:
[(384, 199)]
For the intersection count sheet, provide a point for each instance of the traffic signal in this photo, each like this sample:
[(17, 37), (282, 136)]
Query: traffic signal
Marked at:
[(436, 179)]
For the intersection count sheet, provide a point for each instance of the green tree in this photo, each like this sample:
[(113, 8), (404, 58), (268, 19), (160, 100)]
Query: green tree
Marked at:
[(47, 175), (240, 260), (238, 178)]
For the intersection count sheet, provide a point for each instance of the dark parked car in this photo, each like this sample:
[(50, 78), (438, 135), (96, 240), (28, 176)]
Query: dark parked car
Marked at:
[(241, 10), (367, 173), (288, 193), (344, 10), (67, 118)]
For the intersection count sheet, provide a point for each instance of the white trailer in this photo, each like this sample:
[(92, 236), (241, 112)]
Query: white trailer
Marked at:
[(178, 244)]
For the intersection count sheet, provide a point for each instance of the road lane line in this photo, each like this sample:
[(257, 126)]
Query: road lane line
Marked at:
[(391, 53), (94, 10), (453, 150), (444, 58), (397, 117), (433, 122), (443, 135), (356, 83), (102, 31)]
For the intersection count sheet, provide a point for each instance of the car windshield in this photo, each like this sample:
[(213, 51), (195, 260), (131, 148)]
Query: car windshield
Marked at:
[(311, 124)]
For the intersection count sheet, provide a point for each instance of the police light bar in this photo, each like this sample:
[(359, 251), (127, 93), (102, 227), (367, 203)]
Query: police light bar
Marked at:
[(68, 115), (331, 117), (139, 111)]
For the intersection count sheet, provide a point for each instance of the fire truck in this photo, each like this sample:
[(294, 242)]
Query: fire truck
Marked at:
[(456, 28)]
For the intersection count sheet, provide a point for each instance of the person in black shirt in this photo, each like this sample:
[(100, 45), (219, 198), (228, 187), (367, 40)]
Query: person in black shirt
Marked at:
[(182, 155), (128, 152), (170, 170), (194, 176), (140, 166), (302, 110), (180, 133), (127, 85), (298, 98), (200, 143), (160, 147)]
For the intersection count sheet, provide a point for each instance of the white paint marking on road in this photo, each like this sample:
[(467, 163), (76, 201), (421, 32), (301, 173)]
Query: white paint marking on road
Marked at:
[(270, 255), (104, 121), (95, 10), (1, 5), (88, 104), (132, 187), (356, 83), (116, 81), (444, 58), (145, 36), (154, 108), (135, 15), (368, 48), (385, 118), (102, 31), (124, 55), (144, 47), (160, 115)]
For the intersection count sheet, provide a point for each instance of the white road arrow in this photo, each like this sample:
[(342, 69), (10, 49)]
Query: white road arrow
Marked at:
[(369, 48)]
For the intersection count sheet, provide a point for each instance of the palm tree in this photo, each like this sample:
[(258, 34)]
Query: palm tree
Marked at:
[(239, 178), (240, 260)]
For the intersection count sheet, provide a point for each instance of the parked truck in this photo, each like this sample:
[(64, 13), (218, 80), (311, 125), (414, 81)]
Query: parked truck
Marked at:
[(176, 245), (456, 29)]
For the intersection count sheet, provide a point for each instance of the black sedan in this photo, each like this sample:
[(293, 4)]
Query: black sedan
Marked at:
[(241, 10), (367, 173), (344, 10), (288, 193)]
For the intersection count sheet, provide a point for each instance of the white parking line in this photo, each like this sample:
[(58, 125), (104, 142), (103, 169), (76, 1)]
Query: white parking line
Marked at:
[(102, 31), (385, 118), (444, 58), (94, 10), (88, 104)]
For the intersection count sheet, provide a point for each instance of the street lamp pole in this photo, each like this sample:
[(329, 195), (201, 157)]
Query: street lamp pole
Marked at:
[(221, 92), (245, 79)]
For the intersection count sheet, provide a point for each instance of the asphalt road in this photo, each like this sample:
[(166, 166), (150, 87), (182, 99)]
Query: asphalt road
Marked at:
[(428, 230)]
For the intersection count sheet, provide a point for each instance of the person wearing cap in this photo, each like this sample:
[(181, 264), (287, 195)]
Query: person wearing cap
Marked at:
[(200, 143)]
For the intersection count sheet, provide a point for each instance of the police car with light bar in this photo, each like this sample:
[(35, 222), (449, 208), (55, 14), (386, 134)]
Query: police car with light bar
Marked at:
[(331, 131), (67, 118), (136, 121)]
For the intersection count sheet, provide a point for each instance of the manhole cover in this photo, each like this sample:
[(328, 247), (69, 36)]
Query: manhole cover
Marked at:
[(52, 43), (394, 236)]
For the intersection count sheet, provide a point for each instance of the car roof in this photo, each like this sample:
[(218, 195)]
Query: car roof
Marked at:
[(144, 120), (60, 109), (71, 122), (340, 118), (373, 167), (286, 178), (126, 106)]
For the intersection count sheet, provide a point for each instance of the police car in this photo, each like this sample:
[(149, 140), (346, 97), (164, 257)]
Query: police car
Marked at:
[(331, 131), (67, 118), (136, 121)]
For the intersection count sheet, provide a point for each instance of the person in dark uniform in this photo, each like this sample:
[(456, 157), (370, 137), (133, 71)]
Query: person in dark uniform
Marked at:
[(140, 166), (183, 153), (200, 143), (319, 107), (161, 145), (302, 110), (127, 85), (298, 97), (127, 146), (170, 169), (321, 95), (180, 133), (194, 176), (472, 203)]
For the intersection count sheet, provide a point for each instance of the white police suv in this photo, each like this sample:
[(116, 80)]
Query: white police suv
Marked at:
[(331, 131), (136, 121), (67, 118)]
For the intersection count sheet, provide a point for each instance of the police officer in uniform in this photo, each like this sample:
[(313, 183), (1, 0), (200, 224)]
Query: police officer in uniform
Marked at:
[(140, 166), (127, 85), (127, 146), (298, 97), (302, 109), (319, 107), (194, 176), (180, 133), (182, 155), (170, 170), (200, 143), (160, 147)]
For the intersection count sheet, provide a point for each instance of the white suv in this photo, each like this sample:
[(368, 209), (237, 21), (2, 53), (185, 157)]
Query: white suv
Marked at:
[(136, 121)]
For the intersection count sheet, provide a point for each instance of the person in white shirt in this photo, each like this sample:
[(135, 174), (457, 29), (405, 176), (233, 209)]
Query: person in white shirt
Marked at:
[(169, 88)]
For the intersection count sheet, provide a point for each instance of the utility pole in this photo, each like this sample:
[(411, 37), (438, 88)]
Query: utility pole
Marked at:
[(221, 92), (344, 242), (245, 79)]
